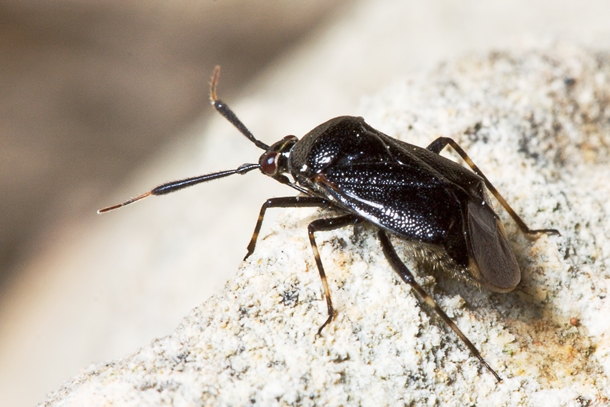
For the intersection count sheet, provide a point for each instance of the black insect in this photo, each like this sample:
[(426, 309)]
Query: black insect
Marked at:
[(409, 191)]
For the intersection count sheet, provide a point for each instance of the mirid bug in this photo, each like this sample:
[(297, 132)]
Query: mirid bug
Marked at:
[(437, 205)]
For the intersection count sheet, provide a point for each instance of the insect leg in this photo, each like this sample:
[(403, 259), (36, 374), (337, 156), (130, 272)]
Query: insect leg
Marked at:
[(284, 202), (408, 278), (319, 226), (437, 145)]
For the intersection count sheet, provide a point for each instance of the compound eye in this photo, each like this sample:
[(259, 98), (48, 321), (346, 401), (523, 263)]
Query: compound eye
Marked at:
[(268, 163)]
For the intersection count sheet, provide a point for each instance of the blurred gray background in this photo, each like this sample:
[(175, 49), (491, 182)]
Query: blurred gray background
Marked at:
[(93, 95), (89, 89)]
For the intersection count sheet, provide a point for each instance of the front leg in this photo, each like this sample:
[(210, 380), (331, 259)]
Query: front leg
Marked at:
[(284, 202)]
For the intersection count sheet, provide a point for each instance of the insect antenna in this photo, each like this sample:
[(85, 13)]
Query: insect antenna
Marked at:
[(173, 186), (226, 112)]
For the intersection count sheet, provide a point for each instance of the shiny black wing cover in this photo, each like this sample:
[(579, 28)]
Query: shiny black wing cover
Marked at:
[(408, 190), (403, 188)]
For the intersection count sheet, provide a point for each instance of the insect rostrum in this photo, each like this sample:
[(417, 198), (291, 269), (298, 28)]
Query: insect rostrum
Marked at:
[(405, 190)]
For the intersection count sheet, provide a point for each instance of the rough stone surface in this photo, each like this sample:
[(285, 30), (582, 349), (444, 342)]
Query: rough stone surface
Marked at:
[(537, 123)]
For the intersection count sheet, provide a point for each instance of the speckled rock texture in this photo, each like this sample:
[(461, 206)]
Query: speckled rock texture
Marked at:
[(537, 123)]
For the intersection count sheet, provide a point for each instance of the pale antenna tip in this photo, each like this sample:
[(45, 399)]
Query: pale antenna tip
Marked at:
[(117, 206), (215, 75)]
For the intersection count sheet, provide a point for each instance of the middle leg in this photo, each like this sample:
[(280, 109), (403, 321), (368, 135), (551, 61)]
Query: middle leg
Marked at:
[(320, 225)]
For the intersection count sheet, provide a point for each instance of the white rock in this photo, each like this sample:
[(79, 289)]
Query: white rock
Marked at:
[(537, 123)]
